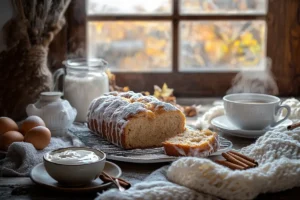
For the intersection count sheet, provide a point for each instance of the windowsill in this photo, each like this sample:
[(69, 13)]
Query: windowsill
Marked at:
[(219, 70), (208, 101), (191, 70), (197, 101), (141, 71)]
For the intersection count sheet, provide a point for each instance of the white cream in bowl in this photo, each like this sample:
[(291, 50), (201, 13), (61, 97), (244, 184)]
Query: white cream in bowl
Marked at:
[(73, 157), (74, 166)]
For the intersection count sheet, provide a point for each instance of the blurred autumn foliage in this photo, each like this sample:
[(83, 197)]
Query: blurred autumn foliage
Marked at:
[(147, 45), (222, 44), (132, 46), (223, 6)]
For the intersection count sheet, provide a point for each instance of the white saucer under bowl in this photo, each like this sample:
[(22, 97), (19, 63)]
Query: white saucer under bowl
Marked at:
[(224, 125), (40, 176)]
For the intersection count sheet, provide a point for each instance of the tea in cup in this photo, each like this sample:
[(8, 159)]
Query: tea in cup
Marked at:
[(252, 111)]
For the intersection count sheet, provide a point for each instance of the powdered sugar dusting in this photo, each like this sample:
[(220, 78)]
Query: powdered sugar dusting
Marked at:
[(112, 110), (109, 111)]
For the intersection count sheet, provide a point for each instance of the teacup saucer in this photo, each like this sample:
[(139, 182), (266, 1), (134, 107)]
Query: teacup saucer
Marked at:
[(40, 176), (222, 123)]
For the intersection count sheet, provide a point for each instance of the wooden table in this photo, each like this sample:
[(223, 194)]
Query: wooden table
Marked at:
[(24, 188)]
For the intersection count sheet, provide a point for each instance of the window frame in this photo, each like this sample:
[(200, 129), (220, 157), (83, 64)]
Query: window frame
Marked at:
[(175, 17), (282, 22)]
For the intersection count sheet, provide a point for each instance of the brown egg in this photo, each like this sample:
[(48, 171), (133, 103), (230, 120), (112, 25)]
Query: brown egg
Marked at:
[(38, 136), (31, 122), (7, 124), (8, 138)]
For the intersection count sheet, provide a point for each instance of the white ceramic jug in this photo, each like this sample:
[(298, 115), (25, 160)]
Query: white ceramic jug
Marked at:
[(57, 114)]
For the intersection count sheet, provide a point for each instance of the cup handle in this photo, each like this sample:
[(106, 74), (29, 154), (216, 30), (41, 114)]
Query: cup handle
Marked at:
[(56, 75), (279, 108)]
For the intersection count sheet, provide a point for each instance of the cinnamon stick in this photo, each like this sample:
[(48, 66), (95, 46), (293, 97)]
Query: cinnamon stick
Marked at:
[(233, 160), (105, 179), (243, 160), (293, 126), (229, 164), (122, 182), (245, 157)]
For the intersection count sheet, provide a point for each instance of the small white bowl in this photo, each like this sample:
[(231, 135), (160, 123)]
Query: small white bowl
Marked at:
[(75, 174)]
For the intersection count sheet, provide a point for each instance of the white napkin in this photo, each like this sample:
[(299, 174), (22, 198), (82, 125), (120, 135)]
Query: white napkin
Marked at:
[(155, 187), (21, 157)]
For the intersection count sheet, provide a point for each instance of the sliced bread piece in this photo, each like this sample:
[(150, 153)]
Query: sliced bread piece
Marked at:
[(192, 143)]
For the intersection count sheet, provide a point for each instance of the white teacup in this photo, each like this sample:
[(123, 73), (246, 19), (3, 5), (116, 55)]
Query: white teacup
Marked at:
[(251, 111)]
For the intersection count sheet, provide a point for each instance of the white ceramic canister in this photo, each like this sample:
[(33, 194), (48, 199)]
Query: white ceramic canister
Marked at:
[(84, 81), (57, 113)]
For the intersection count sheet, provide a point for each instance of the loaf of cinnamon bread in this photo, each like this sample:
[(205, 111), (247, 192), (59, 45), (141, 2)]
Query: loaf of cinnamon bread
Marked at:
[(132, 120)]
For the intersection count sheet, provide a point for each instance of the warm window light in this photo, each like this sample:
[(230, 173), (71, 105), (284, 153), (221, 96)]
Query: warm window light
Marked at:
[(131, 6), (148, 36)]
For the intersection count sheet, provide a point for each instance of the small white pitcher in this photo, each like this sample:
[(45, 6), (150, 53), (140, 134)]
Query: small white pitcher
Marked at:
[(57, 114)]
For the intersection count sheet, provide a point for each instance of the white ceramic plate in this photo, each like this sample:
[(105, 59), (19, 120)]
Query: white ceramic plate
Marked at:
[(144, 155), (222, 124), (40, 176), (151, 155)]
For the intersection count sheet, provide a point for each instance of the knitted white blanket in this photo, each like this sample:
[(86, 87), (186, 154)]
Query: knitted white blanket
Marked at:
[(278, 154)]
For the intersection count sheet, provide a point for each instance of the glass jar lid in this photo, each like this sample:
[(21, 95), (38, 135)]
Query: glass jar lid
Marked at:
[(85, 64)]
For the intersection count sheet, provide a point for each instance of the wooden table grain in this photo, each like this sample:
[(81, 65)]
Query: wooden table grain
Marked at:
[(22, 188)]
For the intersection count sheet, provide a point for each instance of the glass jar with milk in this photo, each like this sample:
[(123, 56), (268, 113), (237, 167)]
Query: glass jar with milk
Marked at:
[(84, 80)]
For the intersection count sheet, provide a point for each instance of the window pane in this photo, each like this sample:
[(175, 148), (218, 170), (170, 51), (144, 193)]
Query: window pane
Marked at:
[(129, 7), (132, 45), (233, 7), (221, 45)]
